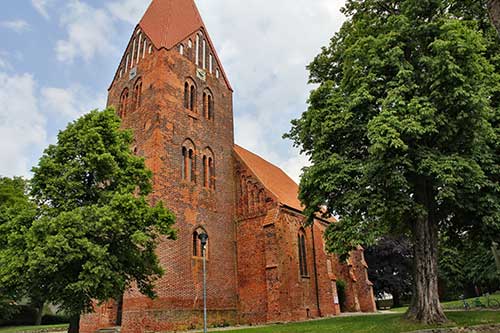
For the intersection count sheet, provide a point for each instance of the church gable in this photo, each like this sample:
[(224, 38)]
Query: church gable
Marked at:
[(281, 187)]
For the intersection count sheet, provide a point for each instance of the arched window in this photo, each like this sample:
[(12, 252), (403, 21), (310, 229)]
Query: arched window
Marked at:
[(205, 171), (186, 95), (208, 102), (144, 48), (205, 102), (196, 245), (190, 95), (181, 49), (192, 101), (188, 161), (210, 113), (123, 103), (138, 93), (197, 250), (208, 169), (211, 169), (302, 253)]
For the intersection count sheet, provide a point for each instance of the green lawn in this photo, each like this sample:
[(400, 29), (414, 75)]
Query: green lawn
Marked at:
[(387, 323), (454, 305), (29, 328)]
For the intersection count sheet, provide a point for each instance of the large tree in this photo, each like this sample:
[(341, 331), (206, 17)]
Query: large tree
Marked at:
[(95, 233), (402, 133)]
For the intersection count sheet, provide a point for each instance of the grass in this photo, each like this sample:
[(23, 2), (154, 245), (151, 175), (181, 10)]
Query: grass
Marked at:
[(30, 328), (387, 323), (455, 305)]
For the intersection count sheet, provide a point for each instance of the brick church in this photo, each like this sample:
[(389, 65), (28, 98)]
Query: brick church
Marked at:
[(264, 265)]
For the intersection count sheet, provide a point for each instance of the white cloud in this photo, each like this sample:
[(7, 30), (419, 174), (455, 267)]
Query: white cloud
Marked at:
[(90, 32), (41, 7), (130, 11), (16, 25), (265, 52), (70, 103), (4, 63), (22, 125)]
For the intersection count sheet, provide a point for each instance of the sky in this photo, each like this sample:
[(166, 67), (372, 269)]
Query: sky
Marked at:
[(58, 57)]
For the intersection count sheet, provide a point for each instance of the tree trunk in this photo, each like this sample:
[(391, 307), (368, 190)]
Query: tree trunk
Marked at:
[(39, 314), (396, 299), (74, 324), (494, 11), (496, 254), (425, 306)]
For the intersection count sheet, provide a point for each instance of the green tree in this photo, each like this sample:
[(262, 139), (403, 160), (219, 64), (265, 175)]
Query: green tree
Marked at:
[(95, 233), (402, 133), (17, 212)]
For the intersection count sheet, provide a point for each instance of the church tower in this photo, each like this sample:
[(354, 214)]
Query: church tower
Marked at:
[(171, 90)]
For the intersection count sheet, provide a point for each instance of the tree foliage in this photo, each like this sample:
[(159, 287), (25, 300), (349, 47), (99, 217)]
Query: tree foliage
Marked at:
[(390, 267), (95, 233), (402, 131)]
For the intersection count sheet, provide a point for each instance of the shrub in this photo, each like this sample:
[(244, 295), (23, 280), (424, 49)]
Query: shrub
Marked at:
[(54, 319)]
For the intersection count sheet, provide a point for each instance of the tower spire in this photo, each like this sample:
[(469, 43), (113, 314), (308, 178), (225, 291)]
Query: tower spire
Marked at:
[(167, 22)]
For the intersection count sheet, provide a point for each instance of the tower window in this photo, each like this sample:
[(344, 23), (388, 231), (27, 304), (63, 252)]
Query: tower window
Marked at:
[(205, 102), (192, 99), (144, 47), (302, 253), (211, 169), (190, 43), (208, 169), (186, 95), (217, 73), (211, 63), (181, 49), (210, 113), (208, 102), (197, 250), (190, 95), (126, 62), (205, 171), (150, 48), (188, 161)]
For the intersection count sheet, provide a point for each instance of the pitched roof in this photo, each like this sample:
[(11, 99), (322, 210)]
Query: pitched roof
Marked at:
[(272, 178), (169, 22)]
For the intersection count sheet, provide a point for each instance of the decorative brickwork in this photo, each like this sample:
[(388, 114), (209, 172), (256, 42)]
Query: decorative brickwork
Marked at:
[(174, 95)]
